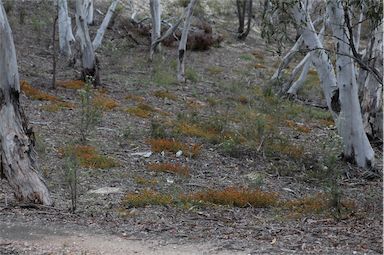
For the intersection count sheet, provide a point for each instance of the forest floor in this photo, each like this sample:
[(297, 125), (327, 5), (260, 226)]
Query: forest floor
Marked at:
[(258, 174)]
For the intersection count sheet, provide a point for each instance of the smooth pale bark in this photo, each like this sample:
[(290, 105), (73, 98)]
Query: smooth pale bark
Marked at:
[(303, 76), (88, 11), (357, 34), (288, 58), (87, 51), (65, 28), (305, 65), (156, 26), (17, 154), (104, 25), (320, 58), (372, 103), (350, 123), (183, 41)]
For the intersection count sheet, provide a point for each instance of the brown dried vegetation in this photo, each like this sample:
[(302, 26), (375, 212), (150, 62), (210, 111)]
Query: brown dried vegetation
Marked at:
[(159, 145), (169, 168), (88, 156)]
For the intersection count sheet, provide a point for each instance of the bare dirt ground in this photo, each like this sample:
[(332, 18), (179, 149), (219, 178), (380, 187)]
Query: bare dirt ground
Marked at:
[(227, 82)]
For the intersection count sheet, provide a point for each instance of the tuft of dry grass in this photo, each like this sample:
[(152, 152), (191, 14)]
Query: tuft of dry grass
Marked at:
[(159, 145), (146, 197), (144, 181), (135, 98), (57, 106), (239, 197), (214, 70), (259, 66), (71, 84), (35, 93), (169, 168), (142, 110), (165, 94), (293, 151), (195, 130), (242, 100), (104, 102), (309, 204), (259, 55), (299, 127), (88, 156)]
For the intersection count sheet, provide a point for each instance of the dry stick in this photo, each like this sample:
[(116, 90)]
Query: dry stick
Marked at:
[(183, 42), (54, 54)]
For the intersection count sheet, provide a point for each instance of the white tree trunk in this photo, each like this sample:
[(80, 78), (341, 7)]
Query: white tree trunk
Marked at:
[(88, 11), (104, 25), (183, 41), (17, 154), (87, 51), (65, 28), (350, 124), (288, 58), (305, 64), (372, 103), (320, 58), (357, 34), (156, 26)]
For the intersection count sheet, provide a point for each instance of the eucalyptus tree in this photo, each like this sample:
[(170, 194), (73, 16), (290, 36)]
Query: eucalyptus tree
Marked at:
[(244, 8), (65, 28), (17, 154), (87, 47), (340, 81), (155, 8), (183, 41)]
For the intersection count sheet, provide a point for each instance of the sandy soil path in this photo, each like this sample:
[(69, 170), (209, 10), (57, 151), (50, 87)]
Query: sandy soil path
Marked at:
[(31, 239)]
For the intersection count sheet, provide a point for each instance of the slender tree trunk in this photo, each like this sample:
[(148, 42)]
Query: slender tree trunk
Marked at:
[(65, 28), (303, 76), (170, 31), (104, 25), (288, 58), (17, 154), (54, 54), (241, 14), (372, 103), (90, 67), (88, 11), (357, 33), (350, 124), (156, 26), (183, 41), (247, 5), (305, 65), (320, 59)]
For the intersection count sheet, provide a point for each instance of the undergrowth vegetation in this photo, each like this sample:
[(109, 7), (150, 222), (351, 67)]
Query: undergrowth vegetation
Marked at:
[(169, 145), (169, 168), (88, 156)]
